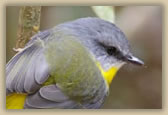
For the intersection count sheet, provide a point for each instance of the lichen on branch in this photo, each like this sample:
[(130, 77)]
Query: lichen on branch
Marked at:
[(29, 24)]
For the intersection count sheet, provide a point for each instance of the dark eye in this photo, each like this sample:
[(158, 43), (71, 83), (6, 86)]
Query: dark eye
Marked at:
[(111, 50)]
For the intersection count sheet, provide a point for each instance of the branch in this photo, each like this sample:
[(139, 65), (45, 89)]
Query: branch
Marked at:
[(29, 24)]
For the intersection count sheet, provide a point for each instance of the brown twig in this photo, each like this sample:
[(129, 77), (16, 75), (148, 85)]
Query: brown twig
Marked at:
[(29, 24)]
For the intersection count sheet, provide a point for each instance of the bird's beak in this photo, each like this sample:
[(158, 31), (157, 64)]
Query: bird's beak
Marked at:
[(134, 60)]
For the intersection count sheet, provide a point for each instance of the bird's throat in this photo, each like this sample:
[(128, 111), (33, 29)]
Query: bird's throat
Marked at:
[(109, 74)]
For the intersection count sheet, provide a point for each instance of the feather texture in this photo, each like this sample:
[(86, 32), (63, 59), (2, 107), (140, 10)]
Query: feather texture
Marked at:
[(27, 70), (49, 97)]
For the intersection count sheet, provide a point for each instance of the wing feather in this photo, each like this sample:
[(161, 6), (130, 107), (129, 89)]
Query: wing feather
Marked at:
[(47, 97), (53, 93), (28, 69)]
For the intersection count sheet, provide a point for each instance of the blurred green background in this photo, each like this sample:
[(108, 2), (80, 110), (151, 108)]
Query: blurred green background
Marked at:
[(133, 87)]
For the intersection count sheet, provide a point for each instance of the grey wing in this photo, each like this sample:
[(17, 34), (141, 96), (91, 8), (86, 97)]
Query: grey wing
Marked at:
[(50, 97), (28, 69)]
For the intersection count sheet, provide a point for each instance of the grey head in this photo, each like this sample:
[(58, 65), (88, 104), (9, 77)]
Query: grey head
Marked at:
[(105, 41)]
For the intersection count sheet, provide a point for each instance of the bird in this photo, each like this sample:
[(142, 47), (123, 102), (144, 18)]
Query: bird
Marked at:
[(69, 66)]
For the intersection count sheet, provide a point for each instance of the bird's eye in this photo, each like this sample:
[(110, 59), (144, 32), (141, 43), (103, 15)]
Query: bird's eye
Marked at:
[(111, 50)]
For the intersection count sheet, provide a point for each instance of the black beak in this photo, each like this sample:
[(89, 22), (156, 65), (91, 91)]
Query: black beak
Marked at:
[(133, 60)]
